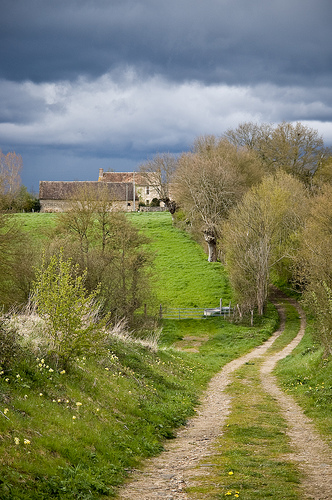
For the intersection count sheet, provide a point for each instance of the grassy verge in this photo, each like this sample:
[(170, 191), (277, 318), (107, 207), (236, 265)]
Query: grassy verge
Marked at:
[(307, 375), (76, 434)]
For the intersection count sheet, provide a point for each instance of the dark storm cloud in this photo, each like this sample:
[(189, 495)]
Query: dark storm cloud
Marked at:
[(229, 41), (109, 83)]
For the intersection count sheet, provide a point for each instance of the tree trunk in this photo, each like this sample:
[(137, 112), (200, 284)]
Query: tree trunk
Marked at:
[(211, 240)]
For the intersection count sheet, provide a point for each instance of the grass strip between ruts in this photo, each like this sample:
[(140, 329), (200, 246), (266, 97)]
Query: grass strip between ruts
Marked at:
[(250, 458)]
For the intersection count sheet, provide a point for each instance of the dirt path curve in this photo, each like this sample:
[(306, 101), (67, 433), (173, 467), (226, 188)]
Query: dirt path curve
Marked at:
[(167, 476), (313, 455)]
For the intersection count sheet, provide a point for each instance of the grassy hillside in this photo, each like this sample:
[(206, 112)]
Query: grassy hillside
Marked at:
[(184, 277), (37, 224), (75, 434)]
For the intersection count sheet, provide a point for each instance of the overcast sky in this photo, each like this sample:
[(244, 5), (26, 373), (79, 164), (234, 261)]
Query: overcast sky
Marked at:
[(86, 84)]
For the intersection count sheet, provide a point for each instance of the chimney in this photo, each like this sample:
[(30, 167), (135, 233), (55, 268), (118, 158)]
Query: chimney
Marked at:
[(101, 173)]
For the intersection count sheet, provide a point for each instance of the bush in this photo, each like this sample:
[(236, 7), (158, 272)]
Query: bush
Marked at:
[(155, 202), (70, 313)]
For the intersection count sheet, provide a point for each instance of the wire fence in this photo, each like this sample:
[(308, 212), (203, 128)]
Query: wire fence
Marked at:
[(195, 312)]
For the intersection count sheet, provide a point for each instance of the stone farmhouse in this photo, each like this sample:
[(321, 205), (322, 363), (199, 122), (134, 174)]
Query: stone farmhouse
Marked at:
[(125, 191), (145, 192)]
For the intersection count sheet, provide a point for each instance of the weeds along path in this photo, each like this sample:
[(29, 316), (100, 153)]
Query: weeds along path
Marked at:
[(168, 475)]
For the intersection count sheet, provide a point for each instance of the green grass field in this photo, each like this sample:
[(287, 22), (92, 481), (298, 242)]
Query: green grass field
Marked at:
[(185, 278), (76, 434)]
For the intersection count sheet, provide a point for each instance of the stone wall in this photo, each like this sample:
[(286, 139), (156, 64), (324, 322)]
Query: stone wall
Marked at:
[(58, 206)]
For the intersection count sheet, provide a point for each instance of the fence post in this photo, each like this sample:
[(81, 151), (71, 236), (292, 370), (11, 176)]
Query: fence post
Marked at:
[(220, 306)]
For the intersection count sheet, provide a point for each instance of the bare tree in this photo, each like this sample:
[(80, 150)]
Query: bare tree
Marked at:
[(17, 258), (259, 233), (296, 149), (209, 181), (89, 204), (249, 134), (102, 241), (10, 179), (159, 173)]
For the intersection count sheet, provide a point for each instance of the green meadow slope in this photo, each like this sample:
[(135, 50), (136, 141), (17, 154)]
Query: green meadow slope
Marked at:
[(75, 434)]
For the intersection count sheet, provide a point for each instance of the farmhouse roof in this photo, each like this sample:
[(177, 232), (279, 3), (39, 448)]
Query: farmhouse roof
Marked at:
[(123, 177), (64, 190)]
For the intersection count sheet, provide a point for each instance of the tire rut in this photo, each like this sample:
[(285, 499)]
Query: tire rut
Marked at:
[(169, 474)]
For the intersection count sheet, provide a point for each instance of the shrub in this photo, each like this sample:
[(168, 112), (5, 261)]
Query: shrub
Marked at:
[(155, 202), (70, 313)]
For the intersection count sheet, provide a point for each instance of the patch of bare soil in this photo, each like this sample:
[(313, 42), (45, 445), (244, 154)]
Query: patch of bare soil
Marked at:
[(168, 475), (190, 343)]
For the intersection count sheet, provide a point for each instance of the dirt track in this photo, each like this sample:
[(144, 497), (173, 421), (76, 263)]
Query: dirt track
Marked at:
[(168, 475)]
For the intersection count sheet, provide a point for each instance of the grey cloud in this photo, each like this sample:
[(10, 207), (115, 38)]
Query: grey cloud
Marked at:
[(230, 41), (108, 83), (18, 105)]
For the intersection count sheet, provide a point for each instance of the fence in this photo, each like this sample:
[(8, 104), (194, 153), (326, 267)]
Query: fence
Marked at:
[(195, 312)]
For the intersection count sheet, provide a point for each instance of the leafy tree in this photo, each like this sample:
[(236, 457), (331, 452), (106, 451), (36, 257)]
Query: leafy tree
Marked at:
[(155, 202), (323, 174), (314, 263), (70, 313), (260, 233), (25, 201), (210, 181)]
